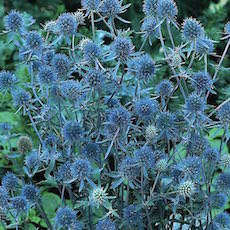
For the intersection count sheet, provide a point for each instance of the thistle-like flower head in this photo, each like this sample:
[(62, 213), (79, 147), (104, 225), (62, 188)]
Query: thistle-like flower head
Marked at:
[(13, 21), (110, 8), (61, 65), (146, 109), (31, 193), (19, 205), (195, 103), (167, 9), (164, 88), (144, 67), (46, 75), (92, 150), (187, 188), (72, 131), (132, 215), (204, 46), (128, 168), (65, 217), (122, 48), (202, 81), (107, 224), (10, 181), (7, 81), (34, 41), (145, 157), (24, 144), (192, 29), (224, 114), (150, 7), (149, 27), (81, 169), (67, 24)]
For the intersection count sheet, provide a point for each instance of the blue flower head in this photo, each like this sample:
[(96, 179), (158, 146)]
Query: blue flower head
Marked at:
[(146, 109), (218, 200), (149, 27), (72, 131), (192, 29), (90, 5), (32, 161), (165, 123), (132, 216), (19, 205), (119, 117), (64, 174), (190, 167), (95, 78), (162, 164), (222, 220), (71, 90), (202, 81), (211, 156), (92, 150), (91, 51), (34, 41), (224, 114), (110, 8), (145, 157), (204, 46), (10, 181), (50, 141), (46, 75), (223, 182), (128, 168), (13, 21), (48, 57), (4, 197), (61, 64), (21, 97), (7, 81), (65, 218), (164, 88), (197, 145), (144, 67), (186, 188), (31, 193), (150, 7), (167, 9), (122, 48), (107, 224), (195, 103), (67, 24), (81, 169), (150, 133)]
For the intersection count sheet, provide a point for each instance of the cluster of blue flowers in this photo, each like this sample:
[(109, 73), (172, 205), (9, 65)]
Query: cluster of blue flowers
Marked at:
[(112, 147)]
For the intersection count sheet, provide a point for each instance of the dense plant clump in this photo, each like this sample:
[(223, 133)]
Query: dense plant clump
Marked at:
[(109, 150)]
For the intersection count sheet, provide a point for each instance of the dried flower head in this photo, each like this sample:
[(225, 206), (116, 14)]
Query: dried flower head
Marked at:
[(24, 144)]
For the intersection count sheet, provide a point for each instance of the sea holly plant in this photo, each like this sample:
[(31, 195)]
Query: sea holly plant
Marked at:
[(109, 148)]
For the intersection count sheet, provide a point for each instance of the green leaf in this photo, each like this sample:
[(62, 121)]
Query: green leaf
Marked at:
[(50, 202)]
